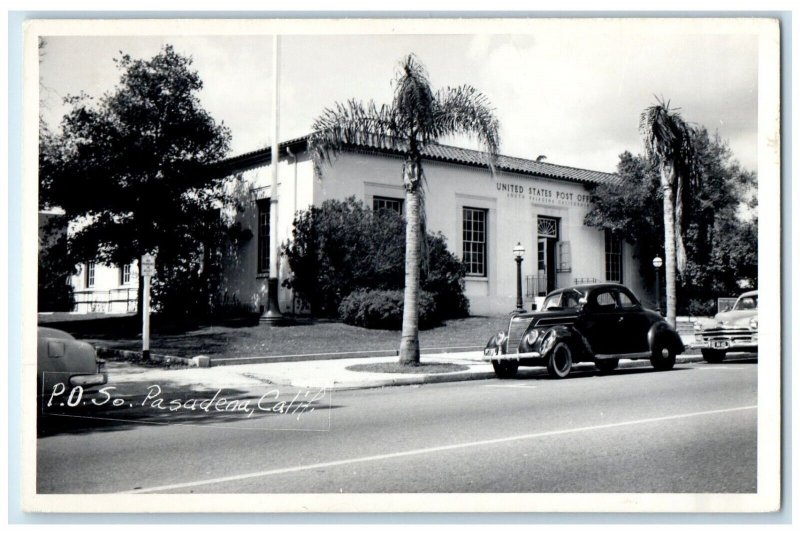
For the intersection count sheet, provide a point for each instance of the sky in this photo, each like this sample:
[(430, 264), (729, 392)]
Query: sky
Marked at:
[(573, 93)]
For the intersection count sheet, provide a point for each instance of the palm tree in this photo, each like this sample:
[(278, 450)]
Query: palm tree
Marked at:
[(669, 141), (416, 118)]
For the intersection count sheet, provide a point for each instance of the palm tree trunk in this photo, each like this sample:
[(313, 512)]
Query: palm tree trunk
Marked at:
[(409, 341), (670, 255)]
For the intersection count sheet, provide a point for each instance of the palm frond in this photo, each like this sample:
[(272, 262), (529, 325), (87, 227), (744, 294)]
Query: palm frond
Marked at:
[(465, 110), (350, 123), (414, 100)]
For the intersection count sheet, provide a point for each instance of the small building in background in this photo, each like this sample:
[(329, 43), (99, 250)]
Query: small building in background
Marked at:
[(101, 288)]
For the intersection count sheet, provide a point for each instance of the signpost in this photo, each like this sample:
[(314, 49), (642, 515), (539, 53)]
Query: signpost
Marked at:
[(148, 267)]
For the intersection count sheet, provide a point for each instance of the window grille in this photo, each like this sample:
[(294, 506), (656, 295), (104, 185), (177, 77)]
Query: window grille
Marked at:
[(263, 236), (387, 203), (613, 257), (474, 239), (547, 227), (90, 275)]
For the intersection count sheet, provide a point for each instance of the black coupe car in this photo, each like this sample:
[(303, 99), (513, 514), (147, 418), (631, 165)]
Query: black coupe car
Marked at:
[(598, 323)]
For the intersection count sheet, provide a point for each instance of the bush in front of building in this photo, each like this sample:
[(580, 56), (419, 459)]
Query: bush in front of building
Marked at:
[(443, 278), (343, 246), (701, 307), (383, 309)]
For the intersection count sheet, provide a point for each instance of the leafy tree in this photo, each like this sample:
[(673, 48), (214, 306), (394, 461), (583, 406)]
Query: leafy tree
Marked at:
[(721, 244), (720, 241), (340, 247), (416, 118), (132, 169), (668, 142), (55, 267)]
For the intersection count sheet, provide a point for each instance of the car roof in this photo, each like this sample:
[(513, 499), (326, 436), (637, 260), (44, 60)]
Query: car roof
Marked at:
[(49, 332), (749, 294), (586, 288)]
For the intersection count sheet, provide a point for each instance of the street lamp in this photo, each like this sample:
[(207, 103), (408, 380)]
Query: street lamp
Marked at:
[(519, 252), (657, 263)]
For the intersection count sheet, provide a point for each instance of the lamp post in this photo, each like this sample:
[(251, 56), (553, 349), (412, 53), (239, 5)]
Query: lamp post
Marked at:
[(519, 252), (657, 263)]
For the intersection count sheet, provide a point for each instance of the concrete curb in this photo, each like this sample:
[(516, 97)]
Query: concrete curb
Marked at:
[(136, 356), (408, 380), (411, 379), (336, 356)]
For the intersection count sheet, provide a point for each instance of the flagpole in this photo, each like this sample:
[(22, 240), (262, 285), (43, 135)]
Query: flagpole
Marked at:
[(273, 312)]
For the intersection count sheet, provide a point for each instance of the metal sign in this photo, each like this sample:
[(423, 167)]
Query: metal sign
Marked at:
[(148, 265)]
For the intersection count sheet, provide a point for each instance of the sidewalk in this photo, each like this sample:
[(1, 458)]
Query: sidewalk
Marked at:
[(331, 374)]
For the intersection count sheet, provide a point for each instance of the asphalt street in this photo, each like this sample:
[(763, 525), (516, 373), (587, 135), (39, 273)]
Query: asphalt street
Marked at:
[(692, 430)]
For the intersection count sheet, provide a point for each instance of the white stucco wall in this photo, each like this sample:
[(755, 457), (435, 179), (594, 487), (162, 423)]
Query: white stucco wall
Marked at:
[(513, 201), (242, 282)]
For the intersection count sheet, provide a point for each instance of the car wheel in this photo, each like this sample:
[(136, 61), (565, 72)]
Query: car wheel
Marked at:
[(663, 357), (560, 362), (607, 365), (713, 355), (505, 369)]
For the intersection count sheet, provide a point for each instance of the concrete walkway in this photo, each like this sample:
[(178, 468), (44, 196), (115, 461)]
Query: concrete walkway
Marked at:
[(334, 374)]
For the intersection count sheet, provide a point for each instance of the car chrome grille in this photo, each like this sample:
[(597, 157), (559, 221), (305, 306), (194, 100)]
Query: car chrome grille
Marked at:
[(516, 330), (736, 333)]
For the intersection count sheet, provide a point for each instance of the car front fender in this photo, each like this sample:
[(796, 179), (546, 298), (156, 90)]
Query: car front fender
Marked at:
[(565, 333)]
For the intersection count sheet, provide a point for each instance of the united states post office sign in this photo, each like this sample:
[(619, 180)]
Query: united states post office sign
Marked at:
[(542, 195)]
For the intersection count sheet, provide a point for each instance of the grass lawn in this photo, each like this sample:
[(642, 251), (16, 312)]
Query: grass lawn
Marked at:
[(316, 337)]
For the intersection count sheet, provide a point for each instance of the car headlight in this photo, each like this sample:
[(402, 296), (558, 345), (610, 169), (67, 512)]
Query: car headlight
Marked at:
[(697, 325), (754, 324), (532, 337)]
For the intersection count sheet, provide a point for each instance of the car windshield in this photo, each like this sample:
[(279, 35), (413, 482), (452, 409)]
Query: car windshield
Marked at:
[(747, 303), (568, 299), (552, 302)]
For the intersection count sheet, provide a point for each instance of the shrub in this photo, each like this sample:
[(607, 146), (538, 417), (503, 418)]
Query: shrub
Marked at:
[(702, 307), (342, 246), (383, 309), (443, 278)]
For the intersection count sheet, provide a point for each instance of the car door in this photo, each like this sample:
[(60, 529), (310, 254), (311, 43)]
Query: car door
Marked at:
[(601, 322), (634, 324)]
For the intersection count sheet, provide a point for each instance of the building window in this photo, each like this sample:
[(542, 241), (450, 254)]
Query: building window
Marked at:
[(125, 274), (474, 236), (547, 227), (387, 203), (613, 257), (90, 274), (263, 236)]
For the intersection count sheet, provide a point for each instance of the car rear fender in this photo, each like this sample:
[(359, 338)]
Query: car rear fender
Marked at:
[(662, 332)]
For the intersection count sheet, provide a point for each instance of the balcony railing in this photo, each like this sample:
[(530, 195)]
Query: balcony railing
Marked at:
[(113, 300)]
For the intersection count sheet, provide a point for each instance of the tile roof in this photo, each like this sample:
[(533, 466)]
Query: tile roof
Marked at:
[(436, 152), (519, 165)]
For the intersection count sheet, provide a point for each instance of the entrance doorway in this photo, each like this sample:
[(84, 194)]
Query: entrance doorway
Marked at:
[(547, 240)]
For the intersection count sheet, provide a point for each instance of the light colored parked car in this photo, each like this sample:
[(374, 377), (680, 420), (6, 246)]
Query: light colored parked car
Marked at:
[(63, 360), (733, 330)]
